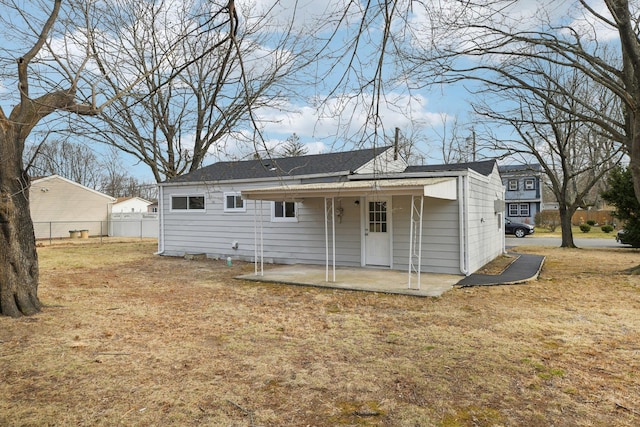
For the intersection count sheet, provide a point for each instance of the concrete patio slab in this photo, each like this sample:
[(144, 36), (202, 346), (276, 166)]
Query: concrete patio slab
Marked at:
[(359, 279)]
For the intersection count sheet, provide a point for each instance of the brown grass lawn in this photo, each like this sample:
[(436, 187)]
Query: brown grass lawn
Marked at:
[(129, 338)]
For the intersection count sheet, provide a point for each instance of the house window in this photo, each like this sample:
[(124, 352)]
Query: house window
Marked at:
[(284, 212), (513, 185), (233, 203), (518, 209), (187, 203), (529, 184)]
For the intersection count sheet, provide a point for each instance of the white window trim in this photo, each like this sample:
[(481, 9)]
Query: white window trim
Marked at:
[(510, 187), (171, 209), (234, 194), (516, 210), (274, 218), (529, 184)]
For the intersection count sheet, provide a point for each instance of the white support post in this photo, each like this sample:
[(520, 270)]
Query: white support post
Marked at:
[(258, 254), (326, 243), (329, 212), (255, 238), (415, 239), (261, 241), (410, 243), (420, 241), (333, 237)]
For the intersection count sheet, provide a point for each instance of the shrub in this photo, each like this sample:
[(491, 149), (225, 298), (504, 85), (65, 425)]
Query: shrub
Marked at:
[(591, 222), (607, 228), (585, 228), (548, 219)]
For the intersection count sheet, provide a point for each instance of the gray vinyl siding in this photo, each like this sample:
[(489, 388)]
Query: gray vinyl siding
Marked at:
[(486, 231), (214, 231), (440, 230)]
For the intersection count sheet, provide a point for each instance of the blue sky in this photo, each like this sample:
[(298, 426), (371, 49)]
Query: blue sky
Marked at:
[(417, 112)]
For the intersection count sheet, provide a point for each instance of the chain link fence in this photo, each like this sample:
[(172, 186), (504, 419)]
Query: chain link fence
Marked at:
[(119, 225)]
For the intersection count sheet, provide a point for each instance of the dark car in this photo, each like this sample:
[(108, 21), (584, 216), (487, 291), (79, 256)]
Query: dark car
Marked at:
[(518, 229), (623, 237)]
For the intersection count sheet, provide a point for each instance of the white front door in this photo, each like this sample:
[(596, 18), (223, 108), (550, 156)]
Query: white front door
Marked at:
[(377, 232)]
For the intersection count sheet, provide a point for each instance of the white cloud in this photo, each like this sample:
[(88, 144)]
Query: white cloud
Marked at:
[(346, 116), (301, 16), (590, 25)]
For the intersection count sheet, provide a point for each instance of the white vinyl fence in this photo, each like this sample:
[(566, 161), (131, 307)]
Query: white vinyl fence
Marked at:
[(133, 224)]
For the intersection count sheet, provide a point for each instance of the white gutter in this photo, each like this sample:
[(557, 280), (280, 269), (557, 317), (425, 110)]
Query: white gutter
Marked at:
[(255, 180)]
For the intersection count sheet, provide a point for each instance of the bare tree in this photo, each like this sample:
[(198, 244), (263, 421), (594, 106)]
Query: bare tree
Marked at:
[(117, 182), (18, 258), (73, 161), (50, 75), (202, 81), (453, 140), (571, 35), (552, 131)]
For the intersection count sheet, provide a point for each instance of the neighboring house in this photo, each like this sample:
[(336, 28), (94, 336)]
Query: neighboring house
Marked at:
[(359, 208), (59, 205), (523, 191), (131, 204)]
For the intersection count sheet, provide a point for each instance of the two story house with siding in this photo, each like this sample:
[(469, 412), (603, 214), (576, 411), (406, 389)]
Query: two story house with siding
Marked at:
[(523, 191)]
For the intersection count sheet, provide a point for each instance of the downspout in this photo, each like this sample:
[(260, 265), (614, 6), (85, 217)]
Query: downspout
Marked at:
[(160, 221), (463, 216)]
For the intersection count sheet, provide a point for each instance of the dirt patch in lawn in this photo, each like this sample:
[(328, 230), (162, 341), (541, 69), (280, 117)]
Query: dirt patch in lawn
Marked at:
[(130, 338)]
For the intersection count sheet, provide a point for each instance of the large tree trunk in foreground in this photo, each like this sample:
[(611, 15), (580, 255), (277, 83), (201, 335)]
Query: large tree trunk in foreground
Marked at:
[(18, 257)]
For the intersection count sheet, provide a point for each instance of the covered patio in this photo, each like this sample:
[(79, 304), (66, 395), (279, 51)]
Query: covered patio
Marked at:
[(358, 279), (410, 282)]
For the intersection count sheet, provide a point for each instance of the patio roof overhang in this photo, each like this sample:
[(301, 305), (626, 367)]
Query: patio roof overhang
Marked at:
[(439, 188)]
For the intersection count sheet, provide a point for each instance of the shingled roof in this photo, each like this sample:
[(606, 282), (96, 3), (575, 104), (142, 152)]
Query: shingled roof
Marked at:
[(329, 163), (484, 167), (529, 168)]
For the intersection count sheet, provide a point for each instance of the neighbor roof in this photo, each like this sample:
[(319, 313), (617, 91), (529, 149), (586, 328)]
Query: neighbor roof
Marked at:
[(484, 167), (328, 163), (534, 167)]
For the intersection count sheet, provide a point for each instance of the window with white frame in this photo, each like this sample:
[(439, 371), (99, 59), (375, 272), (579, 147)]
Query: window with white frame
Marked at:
[(284, 212), (187, 203), (233, 202), (529, 184), (518, 209), (513, 185)]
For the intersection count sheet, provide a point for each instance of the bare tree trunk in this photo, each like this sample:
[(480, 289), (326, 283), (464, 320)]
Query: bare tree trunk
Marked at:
[(18, 257), (565, 225), (634, 155)]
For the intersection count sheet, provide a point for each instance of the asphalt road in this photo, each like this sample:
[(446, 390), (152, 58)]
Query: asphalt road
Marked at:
[(555, 241)]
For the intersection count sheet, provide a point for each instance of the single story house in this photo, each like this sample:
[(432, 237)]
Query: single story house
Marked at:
[(362, 208), (59, 205), (131, 204)]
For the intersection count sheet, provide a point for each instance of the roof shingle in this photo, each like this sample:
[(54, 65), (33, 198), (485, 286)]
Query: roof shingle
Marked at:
[(484, 167), (328, 163)]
